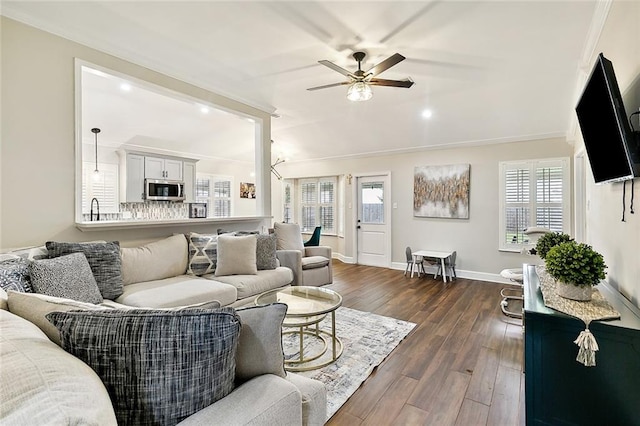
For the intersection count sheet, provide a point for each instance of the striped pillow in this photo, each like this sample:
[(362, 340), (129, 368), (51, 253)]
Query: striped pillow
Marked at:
[(203, 253), (165, 367)]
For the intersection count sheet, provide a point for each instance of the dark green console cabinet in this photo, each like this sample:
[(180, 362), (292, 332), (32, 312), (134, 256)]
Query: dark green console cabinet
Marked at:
[(561, 391)]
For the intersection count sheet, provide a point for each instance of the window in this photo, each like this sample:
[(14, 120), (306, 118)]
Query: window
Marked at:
[(216, 192), (287, 201), (103, 187), (532, 193), (317, 204)]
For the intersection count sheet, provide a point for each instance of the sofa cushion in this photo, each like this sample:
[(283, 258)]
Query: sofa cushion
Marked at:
[(14, 274), (33, 307), (266, 252), (288, 236), (41, 384), (177, 291), (252, 285), (203, 253), (165, 367), (154, 261), (4, 298), (236, 255), (104, 260), (313, 262), (260, 348), (66, 276)]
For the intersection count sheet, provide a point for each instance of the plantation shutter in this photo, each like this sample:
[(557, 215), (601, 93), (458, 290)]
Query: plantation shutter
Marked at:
[(327, 196), (216, 192), (308, 200), (103, 186), (534, 193)]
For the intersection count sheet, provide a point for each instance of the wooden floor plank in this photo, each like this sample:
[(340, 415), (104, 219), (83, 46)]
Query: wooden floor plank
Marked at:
[(460, 365), (505, 406), (472, 413), (391, 403)]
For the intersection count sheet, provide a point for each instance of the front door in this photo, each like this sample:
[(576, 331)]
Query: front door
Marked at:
[(373, 221)]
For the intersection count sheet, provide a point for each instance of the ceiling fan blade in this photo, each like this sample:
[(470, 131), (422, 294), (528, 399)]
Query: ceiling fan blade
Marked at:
[(393, 83), (337, 68), (330, 85), (386, 64)]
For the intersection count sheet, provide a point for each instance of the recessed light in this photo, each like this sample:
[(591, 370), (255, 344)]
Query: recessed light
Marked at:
[(427, 113), (204, 110), (125, 87)]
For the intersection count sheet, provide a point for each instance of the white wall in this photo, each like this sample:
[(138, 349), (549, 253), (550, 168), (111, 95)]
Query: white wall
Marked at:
[(38, 138), (475, 239), (619, 242)]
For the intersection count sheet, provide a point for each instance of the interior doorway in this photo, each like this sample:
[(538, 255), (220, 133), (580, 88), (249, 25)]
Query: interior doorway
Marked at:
[(373, 220)]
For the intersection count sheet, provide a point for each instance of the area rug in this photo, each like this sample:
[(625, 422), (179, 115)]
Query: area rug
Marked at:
[(367, 340)]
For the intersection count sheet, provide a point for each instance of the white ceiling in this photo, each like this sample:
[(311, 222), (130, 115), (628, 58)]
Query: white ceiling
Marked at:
[(491, 72)]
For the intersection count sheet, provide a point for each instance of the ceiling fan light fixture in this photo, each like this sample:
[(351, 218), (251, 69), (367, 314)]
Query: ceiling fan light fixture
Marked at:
[(359, 91)]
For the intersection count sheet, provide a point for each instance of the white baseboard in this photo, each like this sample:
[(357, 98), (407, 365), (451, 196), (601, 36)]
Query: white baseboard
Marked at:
[(341, 257)]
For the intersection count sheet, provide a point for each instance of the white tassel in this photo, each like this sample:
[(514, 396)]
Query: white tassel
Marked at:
[(588, 347)]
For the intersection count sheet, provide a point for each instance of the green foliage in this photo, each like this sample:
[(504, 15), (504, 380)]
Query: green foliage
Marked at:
[(547, 241), (575, 263)]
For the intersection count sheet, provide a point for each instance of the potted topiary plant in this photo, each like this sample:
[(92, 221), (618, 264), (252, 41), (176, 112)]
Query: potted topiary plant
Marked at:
[(551, 239), (576, 268)]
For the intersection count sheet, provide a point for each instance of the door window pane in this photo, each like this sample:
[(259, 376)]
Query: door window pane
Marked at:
[(372, 196)]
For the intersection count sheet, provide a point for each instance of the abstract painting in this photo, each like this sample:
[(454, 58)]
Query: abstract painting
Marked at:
[(441, 191)]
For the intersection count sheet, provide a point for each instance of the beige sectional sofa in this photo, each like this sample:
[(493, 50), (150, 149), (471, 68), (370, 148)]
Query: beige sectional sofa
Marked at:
[(157, 275), (42, 383)]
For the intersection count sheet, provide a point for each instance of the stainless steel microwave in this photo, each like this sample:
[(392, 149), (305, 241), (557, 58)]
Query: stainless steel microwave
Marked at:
[(163, 190)]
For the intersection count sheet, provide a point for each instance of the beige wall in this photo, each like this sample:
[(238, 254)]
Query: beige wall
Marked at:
[(475, 239), (619, 242), (38, 130)]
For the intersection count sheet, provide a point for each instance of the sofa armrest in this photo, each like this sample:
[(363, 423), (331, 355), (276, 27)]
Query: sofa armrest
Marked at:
[(292, 259), (263, 400), (318, 251)]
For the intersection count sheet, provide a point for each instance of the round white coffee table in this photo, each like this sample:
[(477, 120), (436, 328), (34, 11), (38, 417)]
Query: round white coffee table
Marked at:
[(307, 307)]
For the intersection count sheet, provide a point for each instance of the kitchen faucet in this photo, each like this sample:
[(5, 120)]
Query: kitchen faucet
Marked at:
[(97, 208)]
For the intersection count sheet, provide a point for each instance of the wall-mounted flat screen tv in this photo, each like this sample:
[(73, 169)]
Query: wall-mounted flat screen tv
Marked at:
[(608, 138)]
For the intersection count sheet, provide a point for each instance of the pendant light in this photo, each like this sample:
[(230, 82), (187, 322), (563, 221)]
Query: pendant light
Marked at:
[(96, 172)]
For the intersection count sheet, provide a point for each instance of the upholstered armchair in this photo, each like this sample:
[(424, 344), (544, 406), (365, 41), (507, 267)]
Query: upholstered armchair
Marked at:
[(311, 266)]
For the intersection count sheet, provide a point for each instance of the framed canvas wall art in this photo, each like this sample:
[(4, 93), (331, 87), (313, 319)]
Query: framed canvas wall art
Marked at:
[(441, 191)]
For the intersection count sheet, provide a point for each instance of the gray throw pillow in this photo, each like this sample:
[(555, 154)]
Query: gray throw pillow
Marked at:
[(67, 276), (165, 367), (260, 347), (104, 260), (14, 275), (266, 252), (203, 253)]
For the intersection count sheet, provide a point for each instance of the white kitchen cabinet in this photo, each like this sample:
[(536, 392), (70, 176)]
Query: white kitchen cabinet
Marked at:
[(131, 178), (162, 168), (189, 177)]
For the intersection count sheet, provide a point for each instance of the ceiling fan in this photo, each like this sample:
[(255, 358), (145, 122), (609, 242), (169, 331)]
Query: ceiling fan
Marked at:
[(360, 82)]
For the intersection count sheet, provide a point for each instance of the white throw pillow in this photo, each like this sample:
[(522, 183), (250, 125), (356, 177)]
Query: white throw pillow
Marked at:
[(288, 236), (236, 255)]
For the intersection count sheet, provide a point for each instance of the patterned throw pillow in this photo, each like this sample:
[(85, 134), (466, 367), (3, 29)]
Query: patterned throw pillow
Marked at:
[(167, 366), (104, 259), (14, 275), (67, 276), (203, 252), (266, 252)]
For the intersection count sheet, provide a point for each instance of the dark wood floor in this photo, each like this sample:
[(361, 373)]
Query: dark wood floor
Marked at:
[(461, 365)]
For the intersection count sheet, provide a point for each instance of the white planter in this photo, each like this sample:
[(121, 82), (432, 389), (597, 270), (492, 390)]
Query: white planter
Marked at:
[(574, 292)]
